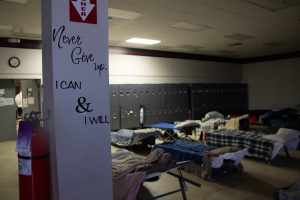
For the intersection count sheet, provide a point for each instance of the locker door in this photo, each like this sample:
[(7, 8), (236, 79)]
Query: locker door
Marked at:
[(183, 94), (7, 111), (130, 117), (114, 107), (31, 93), (152, 115), (125, 94), (156, 94), (144, 91)]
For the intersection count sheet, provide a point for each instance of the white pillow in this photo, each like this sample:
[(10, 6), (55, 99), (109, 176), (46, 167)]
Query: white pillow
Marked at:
[(283, 135), (287, 134), (274, 137)]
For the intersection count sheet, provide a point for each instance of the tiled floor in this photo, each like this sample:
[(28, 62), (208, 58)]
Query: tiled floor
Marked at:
[(257, 181)]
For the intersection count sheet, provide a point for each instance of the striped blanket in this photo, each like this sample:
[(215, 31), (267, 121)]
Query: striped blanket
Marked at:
[(253, 141)]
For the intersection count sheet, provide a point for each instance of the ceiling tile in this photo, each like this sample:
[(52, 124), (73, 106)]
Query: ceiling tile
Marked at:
[(239, 36), (236, 19)]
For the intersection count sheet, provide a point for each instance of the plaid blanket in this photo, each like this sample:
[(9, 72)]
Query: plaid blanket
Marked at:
[(253, 141)]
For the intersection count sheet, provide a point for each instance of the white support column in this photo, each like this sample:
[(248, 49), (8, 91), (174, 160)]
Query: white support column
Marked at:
[(76, 97)]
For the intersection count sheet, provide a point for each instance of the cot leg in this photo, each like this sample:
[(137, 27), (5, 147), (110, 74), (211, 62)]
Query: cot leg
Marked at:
[(182, 190), (182, 184), (269, 161), (287, 152)]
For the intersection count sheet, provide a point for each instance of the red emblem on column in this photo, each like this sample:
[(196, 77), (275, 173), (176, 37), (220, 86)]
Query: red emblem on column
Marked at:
[(84, 11)]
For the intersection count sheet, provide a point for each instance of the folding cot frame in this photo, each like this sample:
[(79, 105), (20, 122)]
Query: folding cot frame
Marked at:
[(178, 165), (152, 173)]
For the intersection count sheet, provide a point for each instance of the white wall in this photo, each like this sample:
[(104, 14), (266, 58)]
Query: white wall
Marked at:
[(142, 69), (273, 84), (131, 69), (30, 67)]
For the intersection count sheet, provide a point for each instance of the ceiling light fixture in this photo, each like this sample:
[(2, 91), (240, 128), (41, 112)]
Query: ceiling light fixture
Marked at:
[(143, 41), (13, 40)]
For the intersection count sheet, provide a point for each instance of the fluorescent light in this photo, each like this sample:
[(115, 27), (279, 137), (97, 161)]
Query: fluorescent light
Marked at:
[(13, 40), (17, 1), (143, 41)]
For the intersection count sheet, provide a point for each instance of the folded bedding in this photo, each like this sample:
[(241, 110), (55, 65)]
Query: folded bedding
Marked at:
[(127, 137), (129, 170), (122, 137)]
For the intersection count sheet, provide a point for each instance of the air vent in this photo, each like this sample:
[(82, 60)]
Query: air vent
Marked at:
[(190, 47), (235, 44), (122, 14), (190, 27), (225, 52), (273, 5), (273, 44), (162, 47), (239, 36)]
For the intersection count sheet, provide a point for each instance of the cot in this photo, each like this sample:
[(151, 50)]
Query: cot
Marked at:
[(203, 157), (258, 144), (130, 170)]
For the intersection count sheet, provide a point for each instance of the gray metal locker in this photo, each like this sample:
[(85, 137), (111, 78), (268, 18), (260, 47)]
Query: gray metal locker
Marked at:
[(7, 111), (129, 95), (145, 91), (155, 94), (130, 117), (114, 107)]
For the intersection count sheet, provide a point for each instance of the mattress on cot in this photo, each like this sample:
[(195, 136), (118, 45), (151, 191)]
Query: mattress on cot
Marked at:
[(127, 137), (254, 142), (185, 150), (188, 150)]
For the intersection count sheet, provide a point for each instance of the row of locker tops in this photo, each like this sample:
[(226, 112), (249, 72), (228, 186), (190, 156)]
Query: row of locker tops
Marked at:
[(179, 92), (153, 92)]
